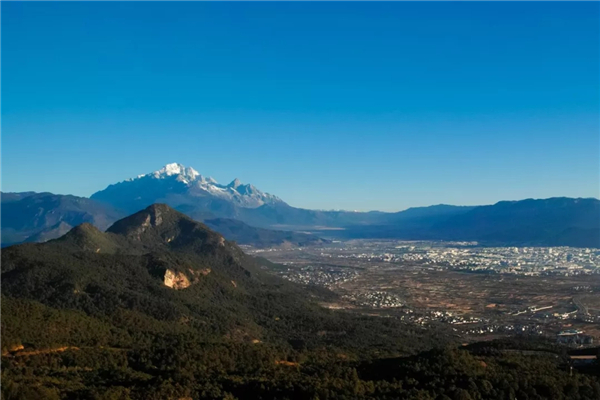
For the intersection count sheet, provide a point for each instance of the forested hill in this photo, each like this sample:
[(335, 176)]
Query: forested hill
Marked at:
[(141, 265)]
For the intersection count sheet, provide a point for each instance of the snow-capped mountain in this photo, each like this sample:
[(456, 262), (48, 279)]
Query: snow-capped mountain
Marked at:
[(181, 173), (177, 184)]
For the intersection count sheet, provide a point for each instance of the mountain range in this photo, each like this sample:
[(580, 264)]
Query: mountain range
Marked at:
[(30, 216), (249, 216)]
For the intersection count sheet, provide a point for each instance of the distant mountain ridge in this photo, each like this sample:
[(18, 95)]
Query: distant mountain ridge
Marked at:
[(557, 221), (249, 216), (31, 216)]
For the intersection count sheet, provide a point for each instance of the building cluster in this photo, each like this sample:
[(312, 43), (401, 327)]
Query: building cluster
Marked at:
[(453, 319), (446, 317), (318, 276), (332, 265), (531, 329), (533, 261), (375, 299)]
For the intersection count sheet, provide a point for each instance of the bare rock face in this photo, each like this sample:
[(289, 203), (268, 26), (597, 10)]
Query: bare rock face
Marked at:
[(145, 225), (176, 280), (179, 280), (153, 219), (157, 218)]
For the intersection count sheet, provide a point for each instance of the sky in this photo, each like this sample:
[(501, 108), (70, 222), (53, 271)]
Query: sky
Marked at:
[(357, 106)]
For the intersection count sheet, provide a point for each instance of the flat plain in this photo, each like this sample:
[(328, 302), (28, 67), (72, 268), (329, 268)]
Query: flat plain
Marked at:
[(481, 291)]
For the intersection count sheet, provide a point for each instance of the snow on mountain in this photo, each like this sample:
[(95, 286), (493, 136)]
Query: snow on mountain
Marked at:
[(196, 185), (177, 169)]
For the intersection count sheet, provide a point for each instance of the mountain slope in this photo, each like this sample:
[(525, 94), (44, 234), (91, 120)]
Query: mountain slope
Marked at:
[(283, 215), (245, 234), (434, 212), (34, 216), (411, 224), (546, 222), (157, 264), (555, 221)]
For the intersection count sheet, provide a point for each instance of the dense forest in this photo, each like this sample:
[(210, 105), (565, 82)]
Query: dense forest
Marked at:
[(161, 307)]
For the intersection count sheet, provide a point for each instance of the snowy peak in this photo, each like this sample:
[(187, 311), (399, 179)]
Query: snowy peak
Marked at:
[(171, 169), (185, 174), (235, 183), (185, 181)]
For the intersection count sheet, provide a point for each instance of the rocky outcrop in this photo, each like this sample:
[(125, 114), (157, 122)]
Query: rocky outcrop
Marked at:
[(179, 280), (176, 280)]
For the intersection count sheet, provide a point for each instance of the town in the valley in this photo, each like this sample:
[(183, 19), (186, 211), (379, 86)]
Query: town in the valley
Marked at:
[(483, 292)]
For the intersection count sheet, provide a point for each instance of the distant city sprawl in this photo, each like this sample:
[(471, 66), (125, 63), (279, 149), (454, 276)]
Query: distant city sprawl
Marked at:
[(494, 291)]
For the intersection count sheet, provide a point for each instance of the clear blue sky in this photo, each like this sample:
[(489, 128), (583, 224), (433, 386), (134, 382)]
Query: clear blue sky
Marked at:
[(327, 105)]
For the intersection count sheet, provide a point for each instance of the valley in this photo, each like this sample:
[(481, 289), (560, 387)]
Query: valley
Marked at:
[(482, 292)]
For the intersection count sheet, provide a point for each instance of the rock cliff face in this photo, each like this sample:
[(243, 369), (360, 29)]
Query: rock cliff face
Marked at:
[(179, 280), (176, 280), (152, 219)]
